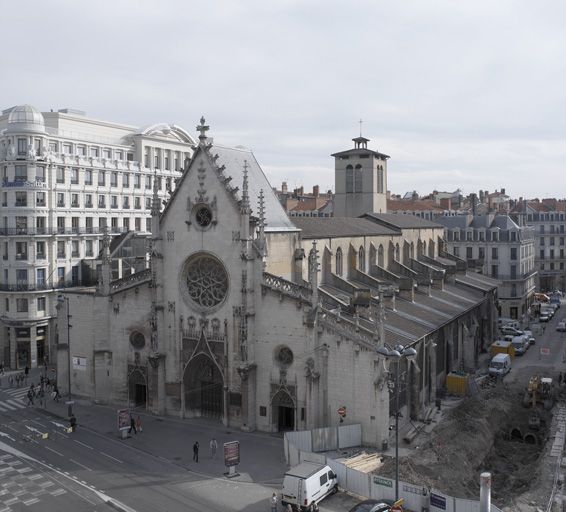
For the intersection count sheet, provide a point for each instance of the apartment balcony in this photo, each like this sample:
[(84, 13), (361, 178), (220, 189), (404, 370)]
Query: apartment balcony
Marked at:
[(22, 256), (34, 287)]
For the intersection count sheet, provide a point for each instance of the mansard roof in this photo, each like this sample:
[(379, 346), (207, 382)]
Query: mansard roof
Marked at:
[(490, 221), (401, 221), (338, 227)]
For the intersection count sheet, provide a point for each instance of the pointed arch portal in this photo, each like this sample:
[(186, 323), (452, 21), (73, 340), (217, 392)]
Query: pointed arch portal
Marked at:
[(204, 387), (137, 389), (283, 411)]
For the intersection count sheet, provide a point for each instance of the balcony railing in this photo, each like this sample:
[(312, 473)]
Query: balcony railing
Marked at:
[(32, 287), (58, 231)]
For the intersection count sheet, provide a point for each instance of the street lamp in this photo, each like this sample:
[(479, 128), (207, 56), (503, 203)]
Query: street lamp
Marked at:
[(395, 355), (60, 300)]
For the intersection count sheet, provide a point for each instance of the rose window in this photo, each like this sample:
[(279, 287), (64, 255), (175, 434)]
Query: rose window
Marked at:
[(203, 216), (206, 281)]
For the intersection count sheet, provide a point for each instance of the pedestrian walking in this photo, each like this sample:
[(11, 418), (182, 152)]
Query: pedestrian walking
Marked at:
[(195, 451), (289, 508), (73, 422), (138, 424), (30, 397), (273, 502), (132, 425), (213, 448), (56, 395)]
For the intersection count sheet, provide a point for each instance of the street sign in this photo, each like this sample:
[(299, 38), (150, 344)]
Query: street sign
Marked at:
[(438, 501), (544, 351), (342, 411), (232, 453), (382, 481)]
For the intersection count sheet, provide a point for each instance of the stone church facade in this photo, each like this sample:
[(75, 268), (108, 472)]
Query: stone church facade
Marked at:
[(268, 324)]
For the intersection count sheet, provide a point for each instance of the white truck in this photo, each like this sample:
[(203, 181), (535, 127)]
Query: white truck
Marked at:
[(307, 483)]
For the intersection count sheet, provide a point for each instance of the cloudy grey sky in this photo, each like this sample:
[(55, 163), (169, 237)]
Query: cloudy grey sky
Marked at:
[(460, 94)]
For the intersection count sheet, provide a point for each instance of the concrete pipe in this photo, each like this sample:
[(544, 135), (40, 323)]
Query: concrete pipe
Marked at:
[(516, 434), (530, 439)]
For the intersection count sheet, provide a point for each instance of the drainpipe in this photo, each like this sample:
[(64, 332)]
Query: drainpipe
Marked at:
[(485, 492)]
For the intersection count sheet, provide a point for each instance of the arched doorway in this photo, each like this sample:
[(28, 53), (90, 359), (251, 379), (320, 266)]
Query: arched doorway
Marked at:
[(137, 389), (204, 385), (283, 411)]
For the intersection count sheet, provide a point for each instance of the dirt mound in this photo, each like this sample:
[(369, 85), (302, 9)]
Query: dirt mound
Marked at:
[(474, 437)]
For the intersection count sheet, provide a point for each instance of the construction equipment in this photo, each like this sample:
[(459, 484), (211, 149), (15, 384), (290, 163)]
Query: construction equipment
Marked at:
[(539, 390)]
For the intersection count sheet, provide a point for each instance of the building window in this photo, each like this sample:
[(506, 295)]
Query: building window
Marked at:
[(22, 251), (40, 250), (40, 199), (40, 277), (126, 203), (88, 248), (148, 182), (81, 150), (349, 178), (137, 203), (61, 224), (61, 276), (88, 200), (148, 225), (21, 173), (22, 305), (7, 304), (88, 225), (75, 248), (94, 152), (358, 179), (456, 252), (513, 271), (119, 155), (88, 177), (67, 149), (126, 223), (469, 253), (361, 259), (542, 254), (102, 223), (137, 224), (126, 180), (74, 176), (494, 253), (60, 175), (339, 261), (40, 173), (61, 249), (513, 253), (21, 225), (107, 154), (74, 200), (41, 303), (101, 178), (494, 271), (60, 200), (148, 203), (22, 147), (101, 201), (21, 198), (137, 180), (114, 179), (130, 157), (113, 201)]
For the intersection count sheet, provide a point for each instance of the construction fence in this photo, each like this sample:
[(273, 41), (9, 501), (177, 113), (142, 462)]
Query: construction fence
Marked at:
[(308, 445)]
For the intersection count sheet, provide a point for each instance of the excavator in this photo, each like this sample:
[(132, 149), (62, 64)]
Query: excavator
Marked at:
[(539, 390)]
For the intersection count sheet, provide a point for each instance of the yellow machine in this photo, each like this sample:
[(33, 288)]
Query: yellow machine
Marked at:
[(539, 390)]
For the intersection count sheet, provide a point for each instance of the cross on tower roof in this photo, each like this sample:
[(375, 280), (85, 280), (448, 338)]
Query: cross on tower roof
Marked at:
[(202, 128)]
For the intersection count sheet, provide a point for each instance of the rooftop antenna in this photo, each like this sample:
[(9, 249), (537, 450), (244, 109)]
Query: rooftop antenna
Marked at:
[(361, 121)]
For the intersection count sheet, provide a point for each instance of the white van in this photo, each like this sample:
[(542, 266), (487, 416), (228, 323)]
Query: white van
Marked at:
[(520, 344), (503, 322), (306, 483), (500, 365)]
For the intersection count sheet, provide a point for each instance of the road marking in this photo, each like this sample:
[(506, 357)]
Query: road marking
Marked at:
[(62, 435), (82, 444), (54, 451), (3, 434), (110, 457)]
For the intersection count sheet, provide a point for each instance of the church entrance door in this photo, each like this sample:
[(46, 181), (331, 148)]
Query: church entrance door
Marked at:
[(204, 387), (137, 389), (283, 408)]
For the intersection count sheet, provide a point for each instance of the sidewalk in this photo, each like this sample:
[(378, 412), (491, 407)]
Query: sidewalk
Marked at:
[(261, 455)]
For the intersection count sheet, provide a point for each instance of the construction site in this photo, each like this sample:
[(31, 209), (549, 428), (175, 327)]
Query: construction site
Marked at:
[(507, 427)]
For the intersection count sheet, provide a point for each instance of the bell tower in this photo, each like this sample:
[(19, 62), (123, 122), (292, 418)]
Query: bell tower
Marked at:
[(360, 180)]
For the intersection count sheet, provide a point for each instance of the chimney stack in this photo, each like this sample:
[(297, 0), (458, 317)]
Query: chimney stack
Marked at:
[(284, 187), (503, 191), (316, 191)]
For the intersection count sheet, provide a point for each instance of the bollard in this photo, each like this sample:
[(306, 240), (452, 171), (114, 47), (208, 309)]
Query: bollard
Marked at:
[(485, 492)]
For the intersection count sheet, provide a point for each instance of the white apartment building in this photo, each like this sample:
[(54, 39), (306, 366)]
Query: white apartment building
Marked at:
[(497, 247), (66, 180)]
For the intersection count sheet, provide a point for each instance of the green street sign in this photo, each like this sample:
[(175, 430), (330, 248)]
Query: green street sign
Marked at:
[(382, 481)]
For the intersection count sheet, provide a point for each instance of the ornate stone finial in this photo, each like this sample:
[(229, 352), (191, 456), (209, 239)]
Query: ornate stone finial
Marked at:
[(245, 207), (106, 246), (202, 128), (261, 214), (155, 203)]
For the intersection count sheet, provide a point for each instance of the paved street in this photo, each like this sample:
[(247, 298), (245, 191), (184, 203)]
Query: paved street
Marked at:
[(44, 466)]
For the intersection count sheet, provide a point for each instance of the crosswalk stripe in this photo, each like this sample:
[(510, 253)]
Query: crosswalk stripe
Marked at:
[(17, 404), (5, 407)]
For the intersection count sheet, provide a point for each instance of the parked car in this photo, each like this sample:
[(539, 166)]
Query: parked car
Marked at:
[(373, 506), (507, 329), (544, 317), (561, 327), (531, 338)]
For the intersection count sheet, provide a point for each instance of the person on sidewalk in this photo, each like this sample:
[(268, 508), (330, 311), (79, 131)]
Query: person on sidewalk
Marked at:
[(56, 395), (138, 424), (73, 422), (132, 426), (213, 448), (273, 502), (30, 396), (195, 451)]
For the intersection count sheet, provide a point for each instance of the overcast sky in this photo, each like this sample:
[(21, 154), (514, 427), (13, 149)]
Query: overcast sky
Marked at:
[(461, 94)]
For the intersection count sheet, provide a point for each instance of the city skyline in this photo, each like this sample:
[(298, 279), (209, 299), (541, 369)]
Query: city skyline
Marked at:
[(460, 96)]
